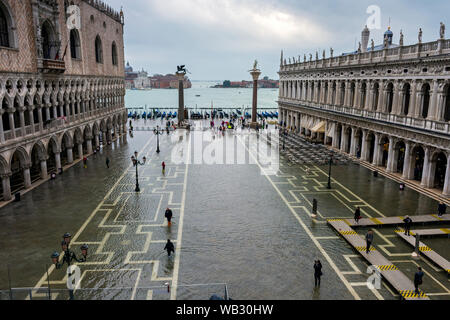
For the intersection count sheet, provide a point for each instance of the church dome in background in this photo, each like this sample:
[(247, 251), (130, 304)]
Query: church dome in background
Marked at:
[(128, 68)]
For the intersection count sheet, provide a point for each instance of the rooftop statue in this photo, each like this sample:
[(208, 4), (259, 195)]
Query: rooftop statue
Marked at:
[(331, 52), (442, 31), (372, 43), (401, 38), (420, 35)]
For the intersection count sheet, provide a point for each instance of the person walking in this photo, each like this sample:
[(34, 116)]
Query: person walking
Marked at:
[(163, 168), (107, 162), (169, 247), (369, 240), (441, 209), (357, 214), (168, 216), (85, 162), (317, 272), (418, 279), (407, 222)]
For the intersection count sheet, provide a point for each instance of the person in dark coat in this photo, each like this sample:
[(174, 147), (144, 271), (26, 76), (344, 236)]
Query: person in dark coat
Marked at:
[(168, 216), (369, 240), (407, 222), (317, 272), (418, 279), (357, 214), (169, 247), (441, 209), (107, 162)]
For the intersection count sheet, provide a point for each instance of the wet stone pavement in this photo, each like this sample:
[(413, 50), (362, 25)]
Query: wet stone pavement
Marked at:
[(233, 224)]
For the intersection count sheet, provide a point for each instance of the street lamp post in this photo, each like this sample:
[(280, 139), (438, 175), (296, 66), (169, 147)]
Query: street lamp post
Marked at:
[(69, 256), (329, 173), (136, 163), (158, 132)]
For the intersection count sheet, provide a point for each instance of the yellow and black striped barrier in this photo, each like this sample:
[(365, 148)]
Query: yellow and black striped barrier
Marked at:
[(389, 267), (363, 248), (412, 294), (347, 233), (425, 248)]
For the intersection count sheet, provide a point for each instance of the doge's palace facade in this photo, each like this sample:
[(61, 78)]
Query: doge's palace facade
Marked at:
[(61, 90), (388, 105)]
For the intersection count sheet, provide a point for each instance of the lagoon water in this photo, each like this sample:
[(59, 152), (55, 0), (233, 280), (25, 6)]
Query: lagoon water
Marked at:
[(218, 97)]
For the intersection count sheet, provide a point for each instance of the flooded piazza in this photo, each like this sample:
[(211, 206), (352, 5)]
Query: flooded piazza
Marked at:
[(236, 224)]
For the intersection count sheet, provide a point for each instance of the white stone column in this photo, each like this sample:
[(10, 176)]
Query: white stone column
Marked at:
[(391, 155), (58, 160), (395, 98), (381, 94), (44, 169), (376, 153), (364, 146), (2, 132), (89, 145), (31, 116), (6, 186), (412, 99), (80, 151), (97, 141), (353, 142), (407, 162), (11, 122), (426, 169), (446, 190), (69, 154), (343, 138), (432, 111), (22, 120), (27, 176), (41, 122)]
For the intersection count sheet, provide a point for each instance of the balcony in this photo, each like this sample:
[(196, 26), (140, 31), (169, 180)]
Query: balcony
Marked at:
[(53, 66)]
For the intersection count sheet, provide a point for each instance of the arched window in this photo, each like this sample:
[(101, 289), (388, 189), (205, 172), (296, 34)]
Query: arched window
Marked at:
[(4, 30), (98, 50), (425, 100), (48, 41), (75, 50), (114, 54)]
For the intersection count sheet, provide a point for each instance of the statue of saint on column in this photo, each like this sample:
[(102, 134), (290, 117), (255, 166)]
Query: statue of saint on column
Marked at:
[(442, 31)]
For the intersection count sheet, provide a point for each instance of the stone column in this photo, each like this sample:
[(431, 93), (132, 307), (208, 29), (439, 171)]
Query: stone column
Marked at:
[(43, 169), (70, 154), (108, 136), (391, 155), (6, 186), (31, 116), (41, 123), (11, 122), (58, 160), (376, 153), (80, 151), (97, 140), (27, 176), (2, 132), (407, 162), (381, 95), (364, 147), (395, 98), (89, 144), (180, 76), (426, 169), (353, 142), (343, 138), (446, 190), (22, 120), (255, 75), (432, 111)]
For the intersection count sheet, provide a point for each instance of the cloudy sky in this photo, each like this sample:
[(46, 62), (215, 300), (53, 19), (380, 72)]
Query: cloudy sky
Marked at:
[(220, 39)]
